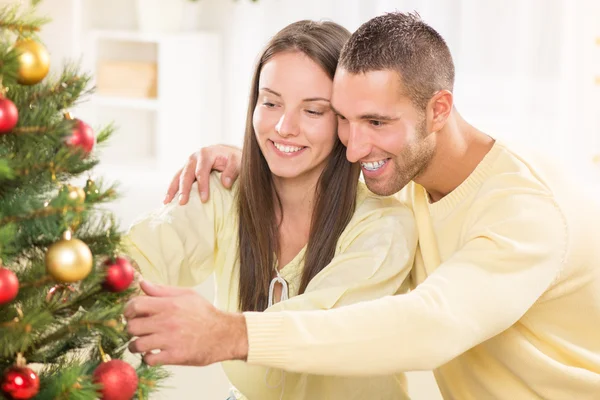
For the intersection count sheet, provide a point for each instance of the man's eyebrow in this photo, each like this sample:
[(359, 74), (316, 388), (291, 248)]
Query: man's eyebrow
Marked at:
[(370, 116), (378, 117), (316, 99)]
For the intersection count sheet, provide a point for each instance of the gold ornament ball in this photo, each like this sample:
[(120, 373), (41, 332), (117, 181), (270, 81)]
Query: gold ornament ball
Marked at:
[(76, 194), (34, 61), (69, 260)]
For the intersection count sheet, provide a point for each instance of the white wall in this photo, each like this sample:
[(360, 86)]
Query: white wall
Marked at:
[(525, 72)]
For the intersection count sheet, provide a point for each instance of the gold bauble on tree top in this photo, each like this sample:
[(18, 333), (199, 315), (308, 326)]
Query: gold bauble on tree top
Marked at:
[(34, 61), (69, 260)]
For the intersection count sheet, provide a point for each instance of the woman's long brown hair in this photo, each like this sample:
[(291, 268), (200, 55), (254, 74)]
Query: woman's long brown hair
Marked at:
[(257, 199)]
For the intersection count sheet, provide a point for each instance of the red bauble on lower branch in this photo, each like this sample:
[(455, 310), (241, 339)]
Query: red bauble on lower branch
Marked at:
[(119, 274), (9, 285), (82, 136), (9, 115), (118, 379), (20, 383)]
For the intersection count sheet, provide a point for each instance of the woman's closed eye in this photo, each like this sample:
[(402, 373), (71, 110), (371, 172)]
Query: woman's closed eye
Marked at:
[(314, 112)]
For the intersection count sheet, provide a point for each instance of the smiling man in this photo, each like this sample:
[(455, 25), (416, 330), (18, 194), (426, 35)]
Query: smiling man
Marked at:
[(506, 301)]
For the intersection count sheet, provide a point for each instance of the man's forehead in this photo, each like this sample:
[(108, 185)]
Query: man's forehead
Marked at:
[(372, 87)]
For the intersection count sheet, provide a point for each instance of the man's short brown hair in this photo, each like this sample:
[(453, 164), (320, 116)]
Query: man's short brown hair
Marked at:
[(404, 43)]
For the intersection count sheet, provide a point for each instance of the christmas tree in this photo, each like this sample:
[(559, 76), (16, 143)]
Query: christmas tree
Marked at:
[(63, 279)]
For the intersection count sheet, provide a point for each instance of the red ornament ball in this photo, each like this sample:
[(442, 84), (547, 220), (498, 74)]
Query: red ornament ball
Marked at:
[(9, 285), (118, 379), (20, 383), (119, 274), (82, 137), (9, 115)]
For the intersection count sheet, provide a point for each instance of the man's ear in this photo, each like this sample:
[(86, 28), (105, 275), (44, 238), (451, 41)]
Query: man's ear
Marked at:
[(438, 110)]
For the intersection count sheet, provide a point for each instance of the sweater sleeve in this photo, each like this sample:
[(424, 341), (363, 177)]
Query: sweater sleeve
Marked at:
[(513, 252), (175, 245)]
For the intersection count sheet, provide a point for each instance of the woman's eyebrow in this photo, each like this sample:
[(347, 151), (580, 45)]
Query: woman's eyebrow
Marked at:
[(266, 89)]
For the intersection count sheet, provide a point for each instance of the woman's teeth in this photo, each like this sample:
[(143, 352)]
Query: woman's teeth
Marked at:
[(287, 149), (373, 166)]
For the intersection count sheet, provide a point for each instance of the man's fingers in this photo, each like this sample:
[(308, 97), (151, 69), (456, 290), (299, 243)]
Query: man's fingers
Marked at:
[(148, 343), (163, 358), (187, 178), (173, 188), (142, 326), (143, 306), (208, 161), (231, 171), (154, 290)]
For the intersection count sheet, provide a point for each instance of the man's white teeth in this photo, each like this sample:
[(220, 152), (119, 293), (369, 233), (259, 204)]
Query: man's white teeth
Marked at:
[(287, 149), (373, 166)]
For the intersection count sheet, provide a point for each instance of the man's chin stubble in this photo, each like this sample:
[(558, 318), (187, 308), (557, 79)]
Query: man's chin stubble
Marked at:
[(383, 189)]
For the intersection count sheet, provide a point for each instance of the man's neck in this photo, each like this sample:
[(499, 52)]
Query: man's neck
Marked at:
[(460, 147)]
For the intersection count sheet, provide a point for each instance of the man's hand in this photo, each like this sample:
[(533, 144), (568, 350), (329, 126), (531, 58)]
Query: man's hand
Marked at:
[(223, 158), (186, 328)]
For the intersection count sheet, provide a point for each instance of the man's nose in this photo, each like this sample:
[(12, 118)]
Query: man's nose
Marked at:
[(358, 146)]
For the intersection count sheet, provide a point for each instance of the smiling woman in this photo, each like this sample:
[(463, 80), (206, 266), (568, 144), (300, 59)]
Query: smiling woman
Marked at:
[(297, 231), (289, 108), (293, 121)]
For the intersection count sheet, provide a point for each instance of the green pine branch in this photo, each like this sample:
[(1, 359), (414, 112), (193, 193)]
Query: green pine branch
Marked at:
[(22, 21), (50, 323), (9, 62), (70, 380), (150, 379), (105, 134), (41, 221)]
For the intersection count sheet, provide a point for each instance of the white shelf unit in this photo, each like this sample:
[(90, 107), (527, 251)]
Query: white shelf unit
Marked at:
[(159, 133)]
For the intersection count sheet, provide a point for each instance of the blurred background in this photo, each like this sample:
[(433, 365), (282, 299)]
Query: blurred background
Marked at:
[(173, 75)]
